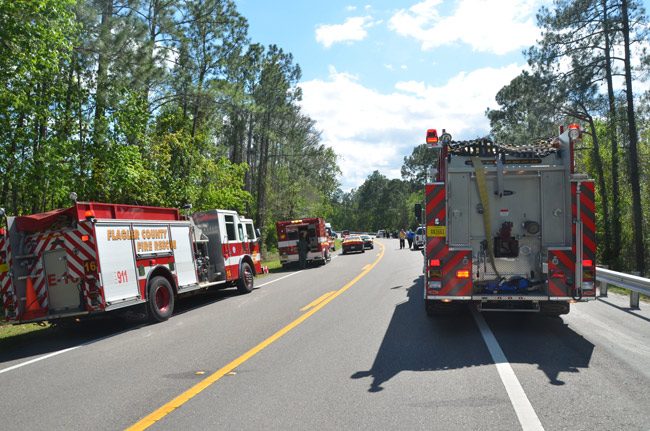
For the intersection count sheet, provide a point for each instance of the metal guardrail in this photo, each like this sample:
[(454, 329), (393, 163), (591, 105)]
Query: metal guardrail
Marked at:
[(635, 284)]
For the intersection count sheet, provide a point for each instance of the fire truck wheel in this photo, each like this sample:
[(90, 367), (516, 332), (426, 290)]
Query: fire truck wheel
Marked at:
[(161, 299), (245, 282)]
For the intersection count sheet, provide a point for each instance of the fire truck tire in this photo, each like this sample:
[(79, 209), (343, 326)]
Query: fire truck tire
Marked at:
[(245, 282), (160, 303)]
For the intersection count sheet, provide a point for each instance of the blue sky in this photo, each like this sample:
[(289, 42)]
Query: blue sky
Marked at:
[(377, 74)]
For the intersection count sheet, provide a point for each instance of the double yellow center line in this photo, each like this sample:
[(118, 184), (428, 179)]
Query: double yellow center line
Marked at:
[(313, 307)]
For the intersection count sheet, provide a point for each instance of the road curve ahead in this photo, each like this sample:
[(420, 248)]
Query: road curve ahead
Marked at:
[(342, 346)]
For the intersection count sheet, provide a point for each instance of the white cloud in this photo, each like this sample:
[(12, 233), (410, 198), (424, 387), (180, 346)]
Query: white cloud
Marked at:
[(350, 8), (483, 24), (374, 131), (353, 29)]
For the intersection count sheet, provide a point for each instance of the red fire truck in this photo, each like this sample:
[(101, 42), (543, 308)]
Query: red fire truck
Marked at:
[(97, 257), (319, 242), (509, 227)]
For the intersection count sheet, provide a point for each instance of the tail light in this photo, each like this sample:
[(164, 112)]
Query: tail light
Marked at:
[(463, 273), (588, 273)]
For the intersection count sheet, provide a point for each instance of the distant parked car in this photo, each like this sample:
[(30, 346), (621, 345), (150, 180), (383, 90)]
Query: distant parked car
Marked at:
[(420, 238), (367, 242), (352, 243), (381, 233)]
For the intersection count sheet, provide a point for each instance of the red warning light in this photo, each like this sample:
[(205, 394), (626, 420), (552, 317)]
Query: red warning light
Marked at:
[(432, 136)]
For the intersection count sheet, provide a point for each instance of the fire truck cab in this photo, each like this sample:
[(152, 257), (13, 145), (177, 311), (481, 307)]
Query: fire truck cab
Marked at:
[(508, 227)]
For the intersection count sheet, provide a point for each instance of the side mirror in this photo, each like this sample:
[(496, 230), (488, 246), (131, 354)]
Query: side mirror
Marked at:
[(257, 231), (418, 212)]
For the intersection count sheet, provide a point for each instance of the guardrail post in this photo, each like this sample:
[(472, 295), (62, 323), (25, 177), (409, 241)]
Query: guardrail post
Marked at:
[(634, 296), (603, 285), (603, 289)]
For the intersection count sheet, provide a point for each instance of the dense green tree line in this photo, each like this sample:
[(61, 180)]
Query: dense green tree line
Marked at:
[(157, 102)]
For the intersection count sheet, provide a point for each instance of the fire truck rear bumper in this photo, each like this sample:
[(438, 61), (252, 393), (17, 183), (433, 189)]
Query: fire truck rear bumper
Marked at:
[(508, 298), (295, 258)]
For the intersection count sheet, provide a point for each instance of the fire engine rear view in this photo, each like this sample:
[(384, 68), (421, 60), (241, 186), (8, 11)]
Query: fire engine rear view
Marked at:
[(508, 227)]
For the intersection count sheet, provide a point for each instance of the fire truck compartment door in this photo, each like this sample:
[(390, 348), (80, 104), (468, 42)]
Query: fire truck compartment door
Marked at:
[(459, 209), (556, 210), (116, 263), (183, 256), (62, 286)]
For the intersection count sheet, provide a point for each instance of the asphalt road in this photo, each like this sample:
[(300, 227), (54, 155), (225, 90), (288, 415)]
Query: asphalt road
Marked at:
[(343, 346)]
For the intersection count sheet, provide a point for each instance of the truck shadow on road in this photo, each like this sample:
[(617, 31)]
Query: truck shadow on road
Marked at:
[(54, 338), (415, 342)]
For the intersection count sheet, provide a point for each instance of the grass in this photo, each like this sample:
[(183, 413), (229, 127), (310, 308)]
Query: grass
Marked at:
[(8, 330), (272, 261)]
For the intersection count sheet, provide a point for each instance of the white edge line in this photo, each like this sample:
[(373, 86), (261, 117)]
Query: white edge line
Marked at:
[(520, 402), (49, 355), (278, 279), (59, 352)]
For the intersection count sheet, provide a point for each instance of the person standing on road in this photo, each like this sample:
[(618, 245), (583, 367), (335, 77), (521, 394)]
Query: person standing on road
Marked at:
[(402, 237), (410, 235), (303, 247)]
